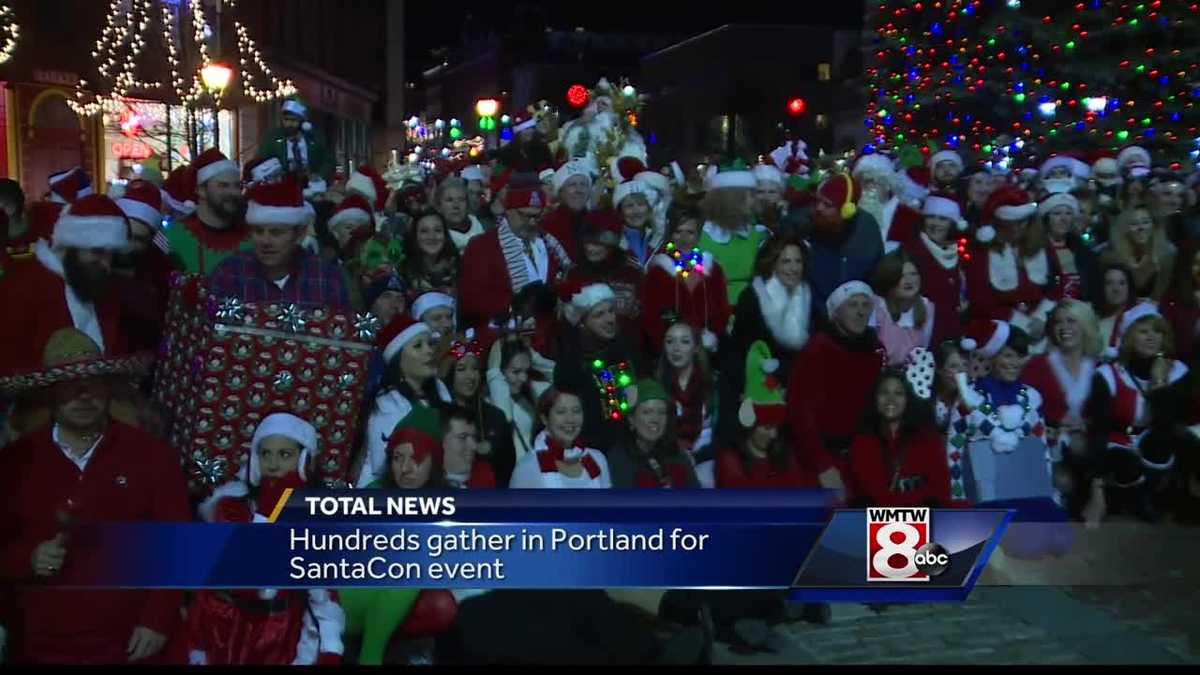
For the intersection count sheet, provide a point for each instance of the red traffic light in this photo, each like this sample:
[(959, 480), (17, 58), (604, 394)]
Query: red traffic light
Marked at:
[(796, 107), (577, 95)]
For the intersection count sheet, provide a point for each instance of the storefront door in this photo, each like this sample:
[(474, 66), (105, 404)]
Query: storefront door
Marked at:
[(53, 142)]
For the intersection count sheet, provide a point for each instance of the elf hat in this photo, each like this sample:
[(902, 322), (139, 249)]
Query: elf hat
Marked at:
[(1008, 203), (631, 187), (843, 293), (946, 156), (430, 301), (94, 221), (1056, 200), (844, 192), (945, 207), (397, 334), (583, 299), (570, 170), (367, 182), (142, 201), (289, 426), (421, 428), (67, 186), (212, 163), (988, 336), (647, 389), (279, 204), (766, 173), (763, 404)]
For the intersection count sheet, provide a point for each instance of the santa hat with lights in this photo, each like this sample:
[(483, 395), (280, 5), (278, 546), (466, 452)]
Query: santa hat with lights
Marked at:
[(95, 221), (279, 204), (367, 182), (763, 404), (1008, 203), (579, 300), (212, 163), (142, 201), (67, 186)]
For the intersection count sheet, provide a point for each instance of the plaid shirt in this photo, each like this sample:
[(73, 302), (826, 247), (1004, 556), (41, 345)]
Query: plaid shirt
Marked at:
[(312, 281)]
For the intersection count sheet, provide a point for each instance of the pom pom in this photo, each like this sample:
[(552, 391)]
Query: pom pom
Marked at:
[(986, 234), (307, 126), (770, 365), (709, 340), (962, 225), (746, 414), (968, 344)]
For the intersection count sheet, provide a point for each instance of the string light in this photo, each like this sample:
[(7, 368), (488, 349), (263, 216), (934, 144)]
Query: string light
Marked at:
[(9, 32)]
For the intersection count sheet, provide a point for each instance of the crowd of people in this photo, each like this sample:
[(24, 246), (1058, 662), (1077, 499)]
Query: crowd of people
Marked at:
[(941, 335)]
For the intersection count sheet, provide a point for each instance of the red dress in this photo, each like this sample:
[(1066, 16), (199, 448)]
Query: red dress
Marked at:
[(732, 472), (706, 306), (914, 474), (999, 288)]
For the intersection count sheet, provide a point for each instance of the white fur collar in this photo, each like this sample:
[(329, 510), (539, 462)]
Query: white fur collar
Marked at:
[(1076, 389), (667, 264), (1038, 268), (887, 215), (786, 315), (49, 259), (721, 235), (947, 257), (231, 490), (1002, 269)]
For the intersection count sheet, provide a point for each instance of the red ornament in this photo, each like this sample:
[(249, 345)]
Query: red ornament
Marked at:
[(577, 96)]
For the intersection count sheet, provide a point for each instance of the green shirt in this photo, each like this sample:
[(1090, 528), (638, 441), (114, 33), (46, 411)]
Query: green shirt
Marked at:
[(735, 253), (196, 249)]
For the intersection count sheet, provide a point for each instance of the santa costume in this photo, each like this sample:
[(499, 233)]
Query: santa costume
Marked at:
[(898, 221), (268, 626), (562, 223), (940, 269), (196, 247), (687, 286), (37, 300)]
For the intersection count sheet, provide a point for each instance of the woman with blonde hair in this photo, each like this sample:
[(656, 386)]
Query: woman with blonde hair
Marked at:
[(1140, 243), (729, 233), (1064, 376)]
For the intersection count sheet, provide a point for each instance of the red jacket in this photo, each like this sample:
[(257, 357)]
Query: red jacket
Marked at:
[(831, 380), (731, 473), (33, 303), (987, 302), (563, 223), (921, 477), (943, 287), (706, 306), (131, 477), (485, 289)]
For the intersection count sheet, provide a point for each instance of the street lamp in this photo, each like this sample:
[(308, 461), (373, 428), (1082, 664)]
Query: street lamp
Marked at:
[(487, 107), (216, 77)]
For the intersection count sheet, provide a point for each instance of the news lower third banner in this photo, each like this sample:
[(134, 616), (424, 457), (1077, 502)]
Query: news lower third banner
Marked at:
[(561, 539)]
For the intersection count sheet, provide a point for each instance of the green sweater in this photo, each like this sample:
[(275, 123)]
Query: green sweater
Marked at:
[(196, 249), (735, 253)]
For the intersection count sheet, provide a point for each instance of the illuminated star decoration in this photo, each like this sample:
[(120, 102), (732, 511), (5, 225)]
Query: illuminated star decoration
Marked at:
[(292, 318), (612, 381)]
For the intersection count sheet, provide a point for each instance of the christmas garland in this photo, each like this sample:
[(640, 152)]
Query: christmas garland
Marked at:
[(612, 381)]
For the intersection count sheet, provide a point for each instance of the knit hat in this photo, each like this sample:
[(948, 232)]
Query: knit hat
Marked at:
[(430, 301), (94, 221), (631, 187), (946, 156), (422, 428), (212, 163), (367, 182), (603, 227), (765, 173), (570, 170), (262, 170), (583, 299), (988, 336), (763, 404), (397, 334), (874, 163), (524, 197), (142, 201), (353, 212), (1132, 156), (289, 426), (279, 204), (1008, 203), (647, 389), (378, 287), (843, 191), (945, 207), (843, 293), (1056, 200), (67, 186)]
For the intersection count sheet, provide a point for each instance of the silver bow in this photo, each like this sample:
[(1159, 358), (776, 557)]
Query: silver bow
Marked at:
[(366, 326), (284, 381), (292, 317), (210, 470), (230, 309)]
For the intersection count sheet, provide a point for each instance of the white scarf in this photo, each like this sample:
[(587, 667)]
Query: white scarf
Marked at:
[(83, 314), (946, 256), (1038, 268), (1075, 389), (1002, 269), (786, 315)]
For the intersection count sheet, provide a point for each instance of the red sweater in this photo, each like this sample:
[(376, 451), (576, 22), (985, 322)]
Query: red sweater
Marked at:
[(485, 289), (831, 380), (131, 477), (922, 475), (706, 306), (731, 473)]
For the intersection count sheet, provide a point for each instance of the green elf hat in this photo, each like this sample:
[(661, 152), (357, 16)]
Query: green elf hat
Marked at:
[(735, 174), (422, 427), (647, 390), (762, 404)]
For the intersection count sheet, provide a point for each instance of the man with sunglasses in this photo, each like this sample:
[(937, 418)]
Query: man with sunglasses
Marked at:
[(498, 264)]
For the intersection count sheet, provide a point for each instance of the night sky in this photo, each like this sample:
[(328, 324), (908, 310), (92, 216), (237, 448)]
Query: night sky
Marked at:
[(428, 25)]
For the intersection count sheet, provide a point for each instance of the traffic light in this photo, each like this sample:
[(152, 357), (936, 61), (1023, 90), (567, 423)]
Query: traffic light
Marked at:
[(487, 108)]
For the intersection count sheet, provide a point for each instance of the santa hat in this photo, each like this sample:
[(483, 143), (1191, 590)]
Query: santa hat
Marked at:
[(1058, 162), (1133, 156), (603, 227), (179, 190), (1009, 203), (1058, 185), (737, 178), (583, 299), (288, 426), (421, 428), (987, 336), (402, 330), (279, 204), (1124, 322), (765, 173), (913, 183), (431, 301), (946, 156), (631, 187), (843, 293), (142, 201), (472, 172), (944, 207), (546, 174), (1056, 200), (367, 182), (874, 163), (94, 221), (353, 212), (570, 170), (67, 186), (763, 404), (677, 173), (524, 197), (625, 167), (656, 180), (843, 191), (293, 106), (1106, 172), (212, 163), (262, 170)]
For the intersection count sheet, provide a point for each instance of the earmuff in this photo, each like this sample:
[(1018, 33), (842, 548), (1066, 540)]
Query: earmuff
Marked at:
[(849, 209)]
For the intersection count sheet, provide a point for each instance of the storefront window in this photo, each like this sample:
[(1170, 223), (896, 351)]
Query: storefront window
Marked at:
[(142, 136)]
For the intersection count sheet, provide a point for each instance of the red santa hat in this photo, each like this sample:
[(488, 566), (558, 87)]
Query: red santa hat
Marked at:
[(524, 197), (946, 156), (1124, 322), (179, 190), (945, 207), (279, 204), (603, 227), (1056, 200), (212, 163), (352, 214), (70, 185), (844, 192), (631, 187), (913, 183), (367, 182), (580, 299), (402, 330), (431, 301), (874, 163), (288, 426), (626, 167), (262, 170), (986, 336), (568, 171), (94, 221), (1133, 156), (1008, 203), (142, 201)]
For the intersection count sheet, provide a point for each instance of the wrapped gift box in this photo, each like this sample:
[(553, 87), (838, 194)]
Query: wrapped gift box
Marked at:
[(224, 365)]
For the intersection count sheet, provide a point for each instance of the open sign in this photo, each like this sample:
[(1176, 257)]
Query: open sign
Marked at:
[(127, 150)]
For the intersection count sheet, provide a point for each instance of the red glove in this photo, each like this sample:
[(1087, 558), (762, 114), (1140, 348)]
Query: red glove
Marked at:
[(329, 659)]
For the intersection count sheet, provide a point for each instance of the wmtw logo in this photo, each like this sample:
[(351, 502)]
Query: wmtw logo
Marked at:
[(900, 546)]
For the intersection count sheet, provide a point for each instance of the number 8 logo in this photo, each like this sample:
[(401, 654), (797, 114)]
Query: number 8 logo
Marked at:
[(881, 561)]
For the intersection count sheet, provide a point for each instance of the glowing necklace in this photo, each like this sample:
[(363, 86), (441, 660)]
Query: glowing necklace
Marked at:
[(612, 381), (687, 263)]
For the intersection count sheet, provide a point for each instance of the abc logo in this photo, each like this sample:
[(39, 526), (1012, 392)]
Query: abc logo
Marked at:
[(932, 559), (900, 548)]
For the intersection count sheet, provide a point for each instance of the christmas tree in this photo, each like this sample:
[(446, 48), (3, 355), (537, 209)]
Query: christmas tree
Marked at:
[(1000, 79)]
